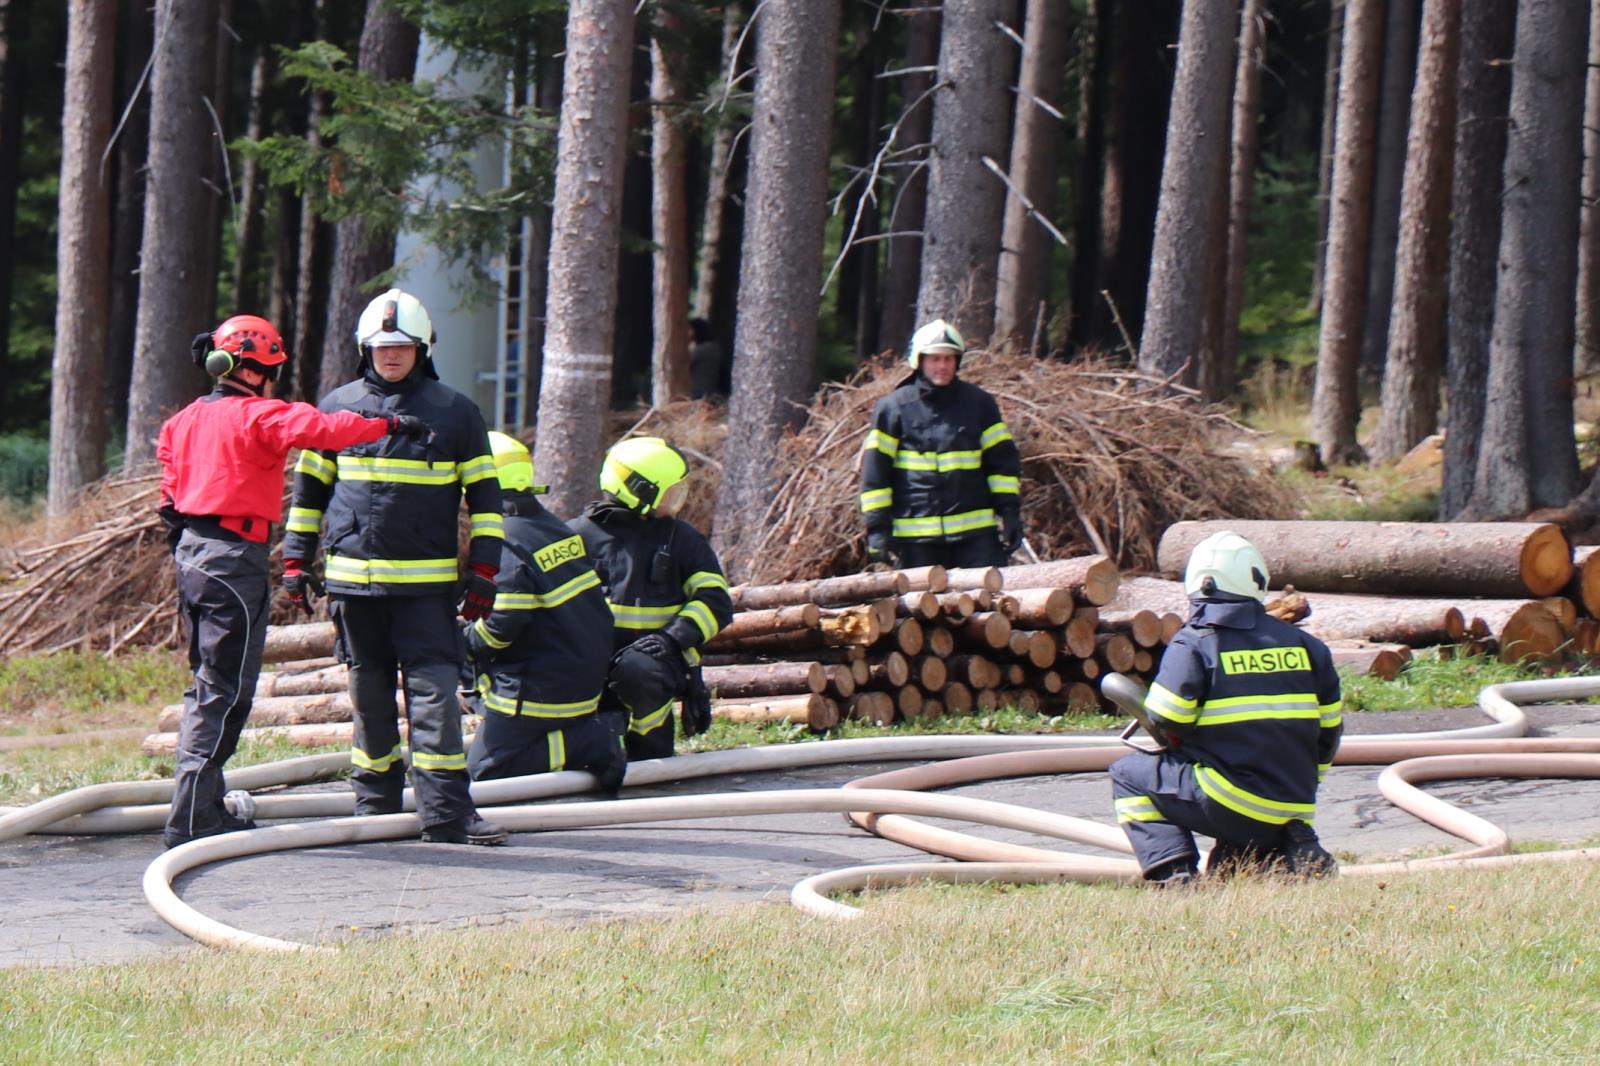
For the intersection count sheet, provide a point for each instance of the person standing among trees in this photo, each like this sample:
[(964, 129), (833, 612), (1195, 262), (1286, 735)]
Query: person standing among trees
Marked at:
[(666, 589), (539, 659), (389, 514), (940, 473), (221, 490)]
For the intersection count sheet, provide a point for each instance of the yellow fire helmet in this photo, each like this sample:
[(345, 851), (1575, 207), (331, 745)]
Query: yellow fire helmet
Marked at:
[(513, 463), (936, 336), (646, 474)]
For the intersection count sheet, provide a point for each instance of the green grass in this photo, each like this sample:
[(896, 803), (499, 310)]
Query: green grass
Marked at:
[(71, 691), (1430, 682), (1459, 967)]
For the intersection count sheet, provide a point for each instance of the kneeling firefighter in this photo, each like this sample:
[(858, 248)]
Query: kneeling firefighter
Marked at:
[(666, 590), (541, 656), (1249, 707)]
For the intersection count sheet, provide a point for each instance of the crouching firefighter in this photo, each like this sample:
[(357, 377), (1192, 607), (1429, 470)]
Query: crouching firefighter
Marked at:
[(1249, 707), (388, 515), (221, 490), (541, 656), (666, 590)]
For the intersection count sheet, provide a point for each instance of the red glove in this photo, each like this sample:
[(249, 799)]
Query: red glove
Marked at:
[(302, 588), (477, 596)]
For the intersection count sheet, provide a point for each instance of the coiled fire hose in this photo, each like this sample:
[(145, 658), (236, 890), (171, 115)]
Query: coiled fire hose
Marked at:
[(882, 803)]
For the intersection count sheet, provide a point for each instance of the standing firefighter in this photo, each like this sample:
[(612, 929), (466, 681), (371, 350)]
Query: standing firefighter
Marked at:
[(1251, 708), (388, 516), (221, 489), (666, 589), (540, 658), (940, 474)]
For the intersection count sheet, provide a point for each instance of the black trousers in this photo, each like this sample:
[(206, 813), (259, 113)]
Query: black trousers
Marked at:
[(1160, 807), (507, 746), (980, 550), (414, 636), (223, 591)]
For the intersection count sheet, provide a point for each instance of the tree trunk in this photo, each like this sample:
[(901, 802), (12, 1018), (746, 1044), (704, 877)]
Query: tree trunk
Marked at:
[(1330, 111), (966, 200), (1527, 457), (669, 217), (766, 679), (549, 70), (1335, 401), (1092, 579), (1416, 329), (362, 251), (83, 247), (174, 294), (14, 82), (1025, 245), (902, 265), (826, 592), (717, 176), (575, 383), (1094, 90), (127, 223), (1484, 91), (1388, 173), (1241, 190), (311, 255), (786, 202), (1588, 348), (1191, 188), (1462, 558), (252, 215)]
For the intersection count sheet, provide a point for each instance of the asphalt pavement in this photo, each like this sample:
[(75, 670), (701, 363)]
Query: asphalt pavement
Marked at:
[(76, 900)]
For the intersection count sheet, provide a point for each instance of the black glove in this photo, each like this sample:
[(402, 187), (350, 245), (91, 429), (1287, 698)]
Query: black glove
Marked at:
[(173, 521), (477, 593), (1010, 531), (408, 426), (695, 717), (302, 588), (659, 645), (878, 545)]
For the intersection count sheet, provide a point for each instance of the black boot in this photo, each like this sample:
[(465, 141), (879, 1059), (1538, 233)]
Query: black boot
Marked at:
[(1305, 855), (473, 829)]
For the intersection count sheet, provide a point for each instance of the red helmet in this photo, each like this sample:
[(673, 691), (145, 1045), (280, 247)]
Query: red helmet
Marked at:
[(250, 337)]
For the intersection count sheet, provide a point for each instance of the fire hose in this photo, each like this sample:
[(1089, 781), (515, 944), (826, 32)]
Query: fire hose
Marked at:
[(882, 803)]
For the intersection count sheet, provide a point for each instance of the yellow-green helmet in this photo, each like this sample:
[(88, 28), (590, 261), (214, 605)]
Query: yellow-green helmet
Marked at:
[(513, 463), (641, 471)]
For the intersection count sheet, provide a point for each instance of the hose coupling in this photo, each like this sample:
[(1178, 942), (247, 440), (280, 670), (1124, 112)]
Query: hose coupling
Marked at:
[(240, 804)]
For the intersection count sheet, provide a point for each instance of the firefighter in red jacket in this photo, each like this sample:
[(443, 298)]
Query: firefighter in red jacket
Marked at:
[(221, 490)]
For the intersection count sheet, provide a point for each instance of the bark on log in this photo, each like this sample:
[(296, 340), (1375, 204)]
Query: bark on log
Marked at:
[(987, 578), (1038, 608), (935, 579), (308, 641), (930, 673), (304, 666), (1523, 629), (986, 628), (1114, 651), (826, 592), (886, 611), (1385, 619), (1509, 559), (819, 713), (894, 671), (1092, 579), (1143, 627), (1371, 660), (309, 683), (766, 621), (326, 734), (767, 679)]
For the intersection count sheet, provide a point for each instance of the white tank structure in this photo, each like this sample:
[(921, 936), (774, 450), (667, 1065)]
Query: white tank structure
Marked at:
[(471, 355)]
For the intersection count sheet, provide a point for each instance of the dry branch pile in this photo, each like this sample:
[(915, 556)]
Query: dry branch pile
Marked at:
[(1109, 459)]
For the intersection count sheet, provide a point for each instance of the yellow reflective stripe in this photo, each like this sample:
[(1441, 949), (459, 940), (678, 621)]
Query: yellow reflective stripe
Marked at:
[(940, 461), (1005, 483), (877, 499), (1137, 809), (1322, 770), (397, 471), (303, 520), (475, 470), (362, 761), (994, 435), (487, 637), (701, 616), (487, 524), (704, 579), (626, 617), (1168, 704), (1332, 713), (691, 656), (944, 525), (1242, 801), (567, 590), (313, 463), (422, 760), (517, 601), (510, 705), (1254, 708), (882, 442), (350, 571), (651, 721), (558, 749)]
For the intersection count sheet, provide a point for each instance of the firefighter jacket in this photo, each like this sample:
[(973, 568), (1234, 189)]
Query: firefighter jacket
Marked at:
[(1257, 704), (388, 511), (544, 650), (938, 463), (222, 456), (658, 573)]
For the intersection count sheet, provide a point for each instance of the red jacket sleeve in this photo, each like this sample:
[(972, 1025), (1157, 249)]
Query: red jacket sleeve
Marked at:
[(169, 476), (300, 425)]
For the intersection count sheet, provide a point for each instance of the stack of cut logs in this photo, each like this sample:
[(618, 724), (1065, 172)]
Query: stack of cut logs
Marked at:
[(901, 644)]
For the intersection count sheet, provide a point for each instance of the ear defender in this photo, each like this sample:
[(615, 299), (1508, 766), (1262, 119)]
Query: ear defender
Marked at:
[(219, 363)]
